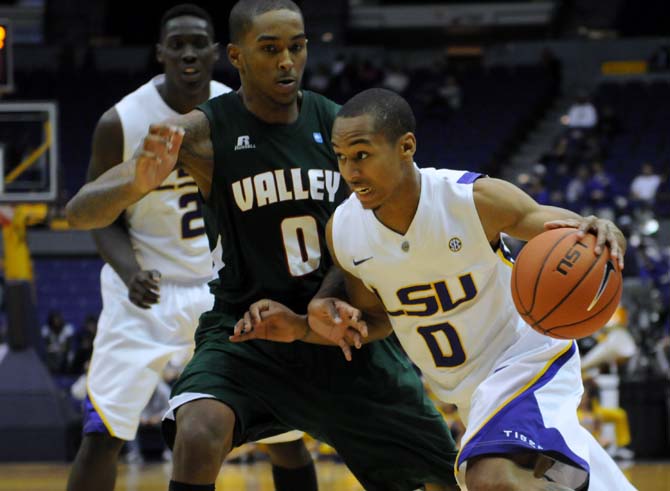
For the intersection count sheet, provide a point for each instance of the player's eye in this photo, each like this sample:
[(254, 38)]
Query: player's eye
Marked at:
[(296, 48), (362, 155), (201, 43), (269, 48)]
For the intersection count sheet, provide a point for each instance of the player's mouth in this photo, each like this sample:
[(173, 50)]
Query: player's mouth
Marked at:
[(286, 85), (190, 74), (363, 193)]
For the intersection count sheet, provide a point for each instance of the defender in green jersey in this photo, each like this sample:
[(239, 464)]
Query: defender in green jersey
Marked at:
[(269, 182)]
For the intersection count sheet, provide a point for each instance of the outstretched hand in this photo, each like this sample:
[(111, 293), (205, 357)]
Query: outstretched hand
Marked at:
[(158, 157), (271, 321), (338, 322), (606, 233)]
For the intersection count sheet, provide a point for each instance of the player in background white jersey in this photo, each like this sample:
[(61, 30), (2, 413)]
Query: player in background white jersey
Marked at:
[(154, 285), (423, 257)]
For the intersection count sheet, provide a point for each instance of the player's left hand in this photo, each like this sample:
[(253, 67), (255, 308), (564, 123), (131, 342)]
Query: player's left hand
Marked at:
[(605, 230), (271, 321)]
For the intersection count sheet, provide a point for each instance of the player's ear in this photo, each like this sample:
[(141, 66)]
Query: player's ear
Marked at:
[(159, 53), (234, 54), (217, 51), (407, 145)]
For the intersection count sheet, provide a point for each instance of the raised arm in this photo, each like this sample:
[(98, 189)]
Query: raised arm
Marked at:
[(113, 242), (185, 139), (503, 207)]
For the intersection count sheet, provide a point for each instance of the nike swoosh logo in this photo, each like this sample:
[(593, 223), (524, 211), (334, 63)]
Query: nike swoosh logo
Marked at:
[(361, 261), (603, 284)]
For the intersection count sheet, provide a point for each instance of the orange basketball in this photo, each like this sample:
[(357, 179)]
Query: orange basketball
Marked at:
[(561, 288)]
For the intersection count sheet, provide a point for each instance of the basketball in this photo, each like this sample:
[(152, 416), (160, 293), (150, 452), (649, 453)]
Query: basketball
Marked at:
[(561, 288)]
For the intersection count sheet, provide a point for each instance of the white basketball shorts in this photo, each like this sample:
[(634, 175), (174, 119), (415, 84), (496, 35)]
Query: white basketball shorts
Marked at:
[(132, 347)]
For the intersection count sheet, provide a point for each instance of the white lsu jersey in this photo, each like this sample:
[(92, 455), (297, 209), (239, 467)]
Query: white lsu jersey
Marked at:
[(446, 291), (166, 227)]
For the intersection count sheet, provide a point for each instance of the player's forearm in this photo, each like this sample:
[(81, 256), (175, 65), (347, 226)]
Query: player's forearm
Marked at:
[(532, 224), (379, 327), (332, 284), (115, 247), (98, 203)]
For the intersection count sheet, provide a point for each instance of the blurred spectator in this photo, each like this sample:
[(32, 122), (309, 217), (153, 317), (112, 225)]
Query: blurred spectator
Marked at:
[(582, 115), (533, 184), (644, 185), (587, 417), (592, 415), (319, 80), (57, 336), (83, 344), (368, 75), (575, 193), (662, 202), (579, 144), (660, 59), (450, 93), (337, 68), (654, 265), (614, 344), (601, 191), (395, 79)]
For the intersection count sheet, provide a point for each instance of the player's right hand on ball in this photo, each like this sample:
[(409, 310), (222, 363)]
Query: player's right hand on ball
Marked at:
[(143, 288), (158, 157)]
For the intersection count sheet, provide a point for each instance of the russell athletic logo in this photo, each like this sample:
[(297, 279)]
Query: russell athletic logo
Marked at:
[(244, 143)]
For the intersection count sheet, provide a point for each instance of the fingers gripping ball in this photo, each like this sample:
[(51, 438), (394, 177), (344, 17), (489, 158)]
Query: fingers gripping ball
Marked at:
[(561, 288)]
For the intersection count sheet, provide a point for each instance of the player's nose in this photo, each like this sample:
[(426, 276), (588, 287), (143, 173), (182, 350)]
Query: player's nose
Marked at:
[(285, 61), (189, 54)]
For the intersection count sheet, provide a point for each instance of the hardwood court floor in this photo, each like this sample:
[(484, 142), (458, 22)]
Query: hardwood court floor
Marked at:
[(247, 477)]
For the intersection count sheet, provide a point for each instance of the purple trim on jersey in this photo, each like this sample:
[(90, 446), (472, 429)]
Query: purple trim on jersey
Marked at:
[(469, 177), (92, 421), (519, 427)]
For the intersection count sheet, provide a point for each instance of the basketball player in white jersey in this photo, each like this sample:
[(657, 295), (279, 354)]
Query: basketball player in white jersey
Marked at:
[(422, 254), (154, 285)]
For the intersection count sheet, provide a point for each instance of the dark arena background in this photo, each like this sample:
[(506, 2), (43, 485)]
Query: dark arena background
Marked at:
[(569, 99)]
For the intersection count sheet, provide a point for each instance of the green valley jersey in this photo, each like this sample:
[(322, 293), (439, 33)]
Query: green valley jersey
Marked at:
[(274, 187)]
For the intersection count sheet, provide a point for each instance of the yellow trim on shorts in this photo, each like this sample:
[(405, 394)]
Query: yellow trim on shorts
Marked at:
[(97, 409), (511, 398), (502, 256)]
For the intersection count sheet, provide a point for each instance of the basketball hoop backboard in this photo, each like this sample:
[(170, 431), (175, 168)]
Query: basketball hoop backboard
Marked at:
[(28, 152)]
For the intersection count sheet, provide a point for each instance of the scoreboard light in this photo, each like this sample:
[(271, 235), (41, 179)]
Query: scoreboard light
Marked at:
[(6, 57)]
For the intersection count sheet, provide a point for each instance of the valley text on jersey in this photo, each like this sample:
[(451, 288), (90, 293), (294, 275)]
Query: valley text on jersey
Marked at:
[(286, 185)]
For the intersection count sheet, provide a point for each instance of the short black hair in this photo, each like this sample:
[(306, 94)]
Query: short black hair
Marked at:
[(190, 10), (243, 13), (391, 114)]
